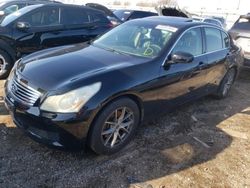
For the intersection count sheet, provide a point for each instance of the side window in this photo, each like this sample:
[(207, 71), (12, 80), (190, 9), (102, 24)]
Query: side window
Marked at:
[(48, 17), (226, 40), (74, 16), (213, 39), (190, 42), (138, 14), (99, 18)]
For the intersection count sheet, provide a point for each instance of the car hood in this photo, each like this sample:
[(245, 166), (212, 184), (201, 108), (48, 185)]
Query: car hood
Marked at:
[(54, 68)]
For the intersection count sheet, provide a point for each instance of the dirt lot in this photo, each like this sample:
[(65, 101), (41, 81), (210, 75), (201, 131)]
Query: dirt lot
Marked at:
[(204, 144)]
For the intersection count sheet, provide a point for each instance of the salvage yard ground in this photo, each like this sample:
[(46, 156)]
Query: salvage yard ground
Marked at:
[(204, 144)]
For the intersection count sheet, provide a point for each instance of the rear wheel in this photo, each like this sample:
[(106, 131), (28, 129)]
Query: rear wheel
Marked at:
[(5, 64), (226, 84), (114, 127)]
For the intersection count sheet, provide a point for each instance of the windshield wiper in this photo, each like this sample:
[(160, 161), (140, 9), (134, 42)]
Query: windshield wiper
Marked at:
[(111, 50)]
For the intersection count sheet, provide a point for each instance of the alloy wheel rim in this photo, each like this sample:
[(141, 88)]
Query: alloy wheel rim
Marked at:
[(228, 83), (117, 127), (2, 64)]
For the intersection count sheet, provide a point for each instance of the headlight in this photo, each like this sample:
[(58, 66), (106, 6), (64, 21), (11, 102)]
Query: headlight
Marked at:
[(72, 101), (13, 69)]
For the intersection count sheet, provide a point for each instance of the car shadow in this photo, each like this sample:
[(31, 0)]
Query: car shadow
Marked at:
[(179, 140)]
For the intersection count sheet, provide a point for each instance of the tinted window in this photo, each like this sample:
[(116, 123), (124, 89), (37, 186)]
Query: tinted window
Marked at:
[(74, 16), (190, 42), (10, 18), (226, 40), (140, 14), (213, 39), (42, 17), (99, 18), (122, 14)]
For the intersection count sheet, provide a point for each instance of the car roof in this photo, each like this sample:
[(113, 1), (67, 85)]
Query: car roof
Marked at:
[(71, 6), (33, 1), (178, 22)]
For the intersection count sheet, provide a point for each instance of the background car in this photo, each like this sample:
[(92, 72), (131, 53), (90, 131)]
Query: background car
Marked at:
[(110, 15), (222, 21), (38, 27), (240, 32), (98, 93), (125, 14), (208, 20), (175, 11), (9, 6)]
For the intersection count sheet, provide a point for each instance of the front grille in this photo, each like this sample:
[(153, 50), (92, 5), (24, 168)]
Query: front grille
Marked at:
[(23, 92)]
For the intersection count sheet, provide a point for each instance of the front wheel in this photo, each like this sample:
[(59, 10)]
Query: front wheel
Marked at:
[(226, 84), (5, 64), (114, 127)]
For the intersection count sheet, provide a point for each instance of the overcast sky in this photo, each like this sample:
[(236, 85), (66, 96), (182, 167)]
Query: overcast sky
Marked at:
[(211, 5)]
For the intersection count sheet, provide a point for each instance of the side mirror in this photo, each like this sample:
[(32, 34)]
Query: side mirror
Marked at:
[(181, 57), (2, 13), (22, 26)]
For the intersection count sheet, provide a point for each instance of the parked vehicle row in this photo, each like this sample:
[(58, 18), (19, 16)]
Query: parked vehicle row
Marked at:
[(99, 93), (208, 20), (41, 26), (240, 32)]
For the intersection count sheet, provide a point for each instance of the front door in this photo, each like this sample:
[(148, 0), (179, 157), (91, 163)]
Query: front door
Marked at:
[(184, 81), (44, 30)]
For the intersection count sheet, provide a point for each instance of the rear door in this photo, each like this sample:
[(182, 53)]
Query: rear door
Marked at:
[(218, 53), (76, 21)]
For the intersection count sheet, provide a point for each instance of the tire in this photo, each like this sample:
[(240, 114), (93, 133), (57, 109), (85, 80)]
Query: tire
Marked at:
[(108, 138), (6, 64), (226, 84)]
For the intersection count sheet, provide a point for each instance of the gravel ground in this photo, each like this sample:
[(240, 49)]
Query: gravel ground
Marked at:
[(202, 144)]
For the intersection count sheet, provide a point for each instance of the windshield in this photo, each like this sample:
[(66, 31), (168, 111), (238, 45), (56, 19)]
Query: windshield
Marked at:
[(10, 18), (136, 39), (1, 4)]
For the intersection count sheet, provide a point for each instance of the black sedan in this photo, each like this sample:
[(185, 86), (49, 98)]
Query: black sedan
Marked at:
[(100, 93), (125, 14)]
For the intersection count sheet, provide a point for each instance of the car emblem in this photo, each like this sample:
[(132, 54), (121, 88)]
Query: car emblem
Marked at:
[(13, 88)]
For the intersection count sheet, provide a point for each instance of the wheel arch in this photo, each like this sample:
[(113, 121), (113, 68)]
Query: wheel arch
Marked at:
[(4, 46), (236, 68), (134, 97)]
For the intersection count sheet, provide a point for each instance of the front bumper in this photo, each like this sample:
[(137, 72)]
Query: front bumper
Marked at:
[(57, 130)]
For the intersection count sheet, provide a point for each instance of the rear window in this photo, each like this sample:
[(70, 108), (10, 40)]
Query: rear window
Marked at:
[(122, 14), (242, 23), (140, 14)]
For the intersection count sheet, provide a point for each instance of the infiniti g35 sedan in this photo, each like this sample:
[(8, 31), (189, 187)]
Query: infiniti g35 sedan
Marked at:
[(98, 93)]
